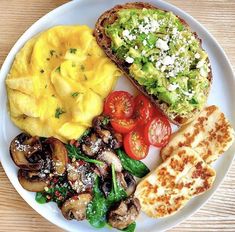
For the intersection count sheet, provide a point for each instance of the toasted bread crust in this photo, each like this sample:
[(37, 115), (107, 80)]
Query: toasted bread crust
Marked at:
[(104, 42)]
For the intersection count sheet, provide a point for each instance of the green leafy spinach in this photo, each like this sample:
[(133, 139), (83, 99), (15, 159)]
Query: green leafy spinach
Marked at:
[(97, 209), (99, 206), (135, 167), (130, 228), (74, 152)]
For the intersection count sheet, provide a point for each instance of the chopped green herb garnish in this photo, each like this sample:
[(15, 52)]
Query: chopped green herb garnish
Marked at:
[(82, 67), (58, 69), (73, 65), (53, 95), (88, 54), (85, 77), (73, 50), (52, 52), (45, 86), (58, 112), (75, 94)]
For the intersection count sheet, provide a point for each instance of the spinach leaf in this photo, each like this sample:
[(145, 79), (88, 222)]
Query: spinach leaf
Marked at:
[(99, 206), (74, 152), (97, 209), (135, 167), (40, 198), (130, 228), (117, 193)]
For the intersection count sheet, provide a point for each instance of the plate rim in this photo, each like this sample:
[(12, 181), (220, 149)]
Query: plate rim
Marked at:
[(57, 10)]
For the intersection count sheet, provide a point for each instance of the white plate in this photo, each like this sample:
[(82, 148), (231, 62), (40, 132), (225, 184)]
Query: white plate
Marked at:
[(87, 12)]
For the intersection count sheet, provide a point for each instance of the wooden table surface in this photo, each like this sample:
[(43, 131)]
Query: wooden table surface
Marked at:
[(218, 16)]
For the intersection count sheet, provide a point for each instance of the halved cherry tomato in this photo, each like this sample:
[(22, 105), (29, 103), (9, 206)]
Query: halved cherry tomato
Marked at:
[(143, 110), (135, 146), (123, 125), (157, 132), (119, 104)]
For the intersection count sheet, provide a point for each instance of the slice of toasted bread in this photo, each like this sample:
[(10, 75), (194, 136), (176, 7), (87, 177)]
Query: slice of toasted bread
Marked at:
[(104, 42), (210, 135), (168, 188)]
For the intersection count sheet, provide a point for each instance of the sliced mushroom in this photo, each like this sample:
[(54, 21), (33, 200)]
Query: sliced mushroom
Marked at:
[(98, 123), (23, 148), (91, 145), (106, 133), (106, 187), (102, 170), (124, 213), (109, 157), (31, 181), (75, 207), (130, 183), (59, 155), (80, 176)]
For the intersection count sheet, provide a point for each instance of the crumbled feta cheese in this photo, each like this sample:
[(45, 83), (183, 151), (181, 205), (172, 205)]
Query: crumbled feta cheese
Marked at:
[(168, 60), (203, 71), (172, 87), (158, 63), (163, 68), (136, 47), (151, 58), (144, 42), (126, 33), (197, 55), (190, 95), (174, 31), (129, 60), (171, 74), (154, 25), (200, 63), (162, 45), (143, 52)]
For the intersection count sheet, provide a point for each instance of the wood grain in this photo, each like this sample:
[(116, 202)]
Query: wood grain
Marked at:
[(218, 16)]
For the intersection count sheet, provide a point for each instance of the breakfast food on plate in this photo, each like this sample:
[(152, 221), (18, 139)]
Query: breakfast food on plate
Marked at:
[(91, 178), (161, 56), (210, 135), (56, 84), (168, 188)]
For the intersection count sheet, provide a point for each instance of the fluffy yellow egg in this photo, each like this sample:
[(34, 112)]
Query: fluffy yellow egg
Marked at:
[(58, 82)]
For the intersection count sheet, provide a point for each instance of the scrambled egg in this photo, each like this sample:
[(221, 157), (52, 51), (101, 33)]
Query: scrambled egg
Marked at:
[(58, 82)]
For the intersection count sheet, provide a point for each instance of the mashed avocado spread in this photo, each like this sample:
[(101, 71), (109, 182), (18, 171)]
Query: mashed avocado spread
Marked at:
[(164, 56)]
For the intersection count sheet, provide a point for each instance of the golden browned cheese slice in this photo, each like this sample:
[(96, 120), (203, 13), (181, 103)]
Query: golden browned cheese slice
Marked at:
[(210, 135), (168, 188)]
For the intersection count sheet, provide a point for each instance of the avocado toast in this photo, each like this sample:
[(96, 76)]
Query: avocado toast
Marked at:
[(160, 55)]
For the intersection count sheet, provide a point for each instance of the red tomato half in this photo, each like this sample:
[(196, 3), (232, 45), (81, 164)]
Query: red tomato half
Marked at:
[(143, 110), (157, 132), (135, 146), (123, 125), (119, 104)]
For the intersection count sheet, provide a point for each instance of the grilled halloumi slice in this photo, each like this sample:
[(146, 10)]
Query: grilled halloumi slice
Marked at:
[(210, 135), (168, 188)]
